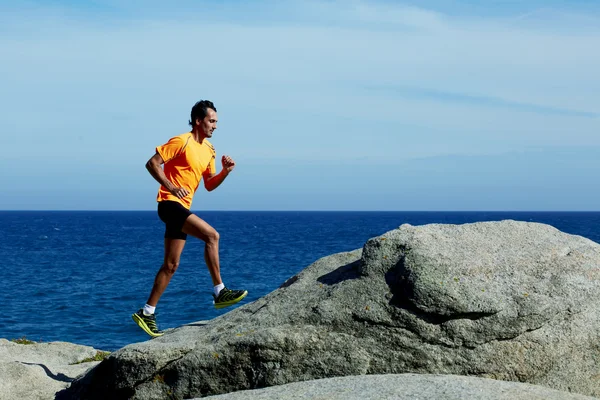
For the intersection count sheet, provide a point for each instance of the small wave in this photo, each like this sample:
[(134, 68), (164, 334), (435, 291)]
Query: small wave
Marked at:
[(43, 237)]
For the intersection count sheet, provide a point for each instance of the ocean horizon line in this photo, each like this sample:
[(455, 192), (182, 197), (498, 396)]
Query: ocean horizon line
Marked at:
[(305, 211)]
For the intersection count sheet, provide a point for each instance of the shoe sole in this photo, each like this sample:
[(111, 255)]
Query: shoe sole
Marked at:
[(138, 320), (231, 302)]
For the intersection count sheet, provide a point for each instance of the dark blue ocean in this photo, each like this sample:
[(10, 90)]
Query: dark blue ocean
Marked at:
[(78, 276)]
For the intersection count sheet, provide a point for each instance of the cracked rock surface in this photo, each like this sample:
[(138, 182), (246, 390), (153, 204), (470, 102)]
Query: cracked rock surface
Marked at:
[(40, 370), (507, 300)]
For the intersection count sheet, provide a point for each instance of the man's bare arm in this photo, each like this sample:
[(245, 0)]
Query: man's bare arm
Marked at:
[(154, 167), (212, 181)]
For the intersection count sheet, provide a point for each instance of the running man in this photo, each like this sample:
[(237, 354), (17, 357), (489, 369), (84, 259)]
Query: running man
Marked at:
[(187, 159)]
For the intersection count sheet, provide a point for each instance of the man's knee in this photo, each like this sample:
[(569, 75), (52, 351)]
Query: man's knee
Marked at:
[(170, 266), (213, 237)]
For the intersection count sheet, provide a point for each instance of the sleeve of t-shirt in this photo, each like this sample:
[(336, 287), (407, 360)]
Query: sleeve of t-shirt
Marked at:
[(170, 149), (211, 165)]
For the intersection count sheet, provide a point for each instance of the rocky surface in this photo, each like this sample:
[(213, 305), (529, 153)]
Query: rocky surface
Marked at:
[(40, 370), (508, 300), (403, 387)]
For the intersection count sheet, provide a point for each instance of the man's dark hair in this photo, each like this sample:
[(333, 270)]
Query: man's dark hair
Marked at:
[(199, 110)]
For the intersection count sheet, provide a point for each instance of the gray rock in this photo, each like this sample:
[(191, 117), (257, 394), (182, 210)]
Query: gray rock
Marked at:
[(403, 387), (506, 300), (40, 370)]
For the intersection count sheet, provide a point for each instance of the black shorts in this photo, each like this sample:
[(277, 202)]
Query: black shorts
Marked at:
[(173, 214)]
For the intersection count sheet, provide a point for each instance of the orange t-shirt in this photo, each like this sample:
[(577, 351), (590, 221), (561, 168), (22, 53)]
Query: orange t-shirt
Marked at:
[(185, 162)]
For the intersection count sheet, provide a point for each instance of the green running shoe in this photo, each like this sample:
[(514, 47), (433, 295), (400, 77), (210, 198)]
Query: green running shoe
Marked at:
[(147, 323), (228, 297)]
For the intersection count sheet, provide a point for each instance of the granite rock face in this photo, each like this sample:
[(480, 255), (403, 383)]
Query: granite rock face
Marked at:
[(40, 370), (403, 387), (507, 300)]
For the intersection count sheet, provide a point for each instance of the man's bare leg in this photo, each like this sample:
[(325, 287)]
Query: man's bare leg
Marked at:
[(173, 250), (200, 229), (145, 317)]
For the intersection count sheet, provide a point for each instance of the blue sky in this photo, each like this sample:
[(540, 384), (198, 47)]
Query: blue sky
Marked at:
[(324, 105)]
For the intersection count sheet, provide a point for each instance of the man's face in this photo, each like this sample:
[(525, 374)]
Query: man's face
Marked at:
[(209, 123)]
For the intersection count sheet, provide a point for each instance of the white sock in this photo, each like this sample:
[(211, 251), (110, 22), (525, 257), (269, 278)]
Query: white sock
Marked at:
[(149, 310), (218, 288)]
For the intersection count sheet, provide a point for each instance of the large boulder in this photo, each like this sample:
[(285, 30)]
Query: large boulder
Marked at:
[(40, 370), (508, 300), (403, 387)]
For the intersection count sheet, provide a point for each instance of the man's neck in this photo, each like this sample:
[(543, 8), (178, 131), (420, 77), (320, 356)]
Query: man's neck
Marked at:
[(198, 135)]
